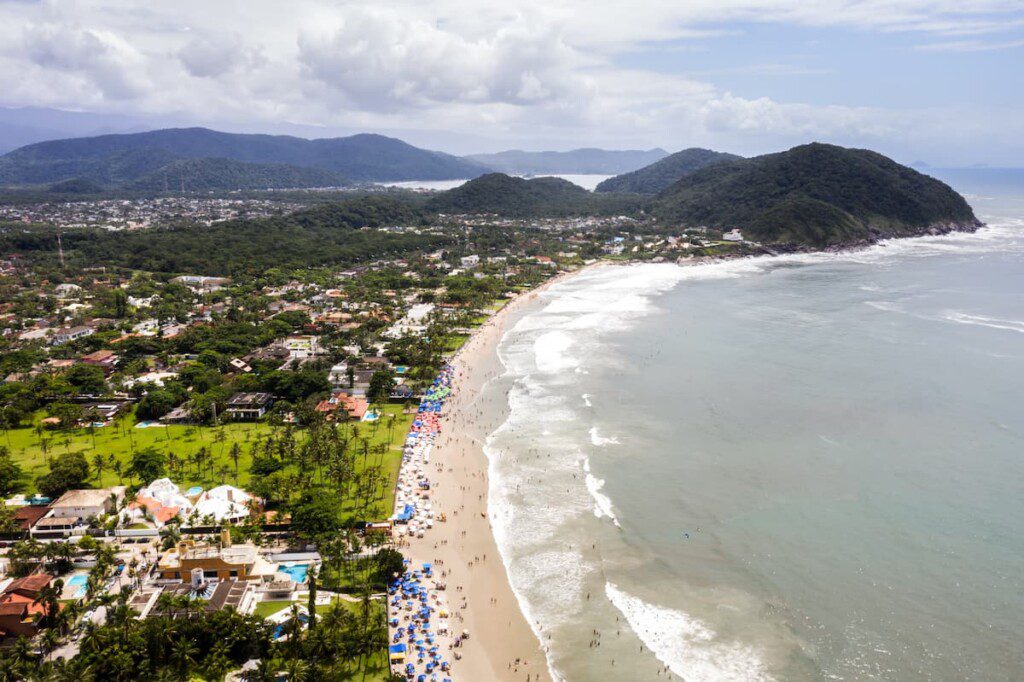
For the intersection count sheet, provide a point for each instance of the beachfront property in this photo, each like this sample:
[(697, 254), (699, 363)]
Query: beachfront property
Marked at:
[(248, 406), (222, 561)]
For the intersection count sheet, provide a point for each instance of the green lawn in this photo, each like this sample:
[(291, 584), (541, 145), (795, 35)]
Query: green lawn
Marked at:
[(265, 609), (121, 440)]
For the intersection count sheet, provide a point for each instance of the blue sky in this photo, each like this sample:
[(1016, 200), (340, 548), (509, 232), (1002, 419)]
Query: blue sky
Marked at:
[(935, 80)]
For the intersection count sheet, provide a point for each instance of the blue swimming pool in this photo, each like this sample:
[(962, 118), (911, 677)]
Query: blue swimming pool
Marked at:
[(78, 580), (296, 572)]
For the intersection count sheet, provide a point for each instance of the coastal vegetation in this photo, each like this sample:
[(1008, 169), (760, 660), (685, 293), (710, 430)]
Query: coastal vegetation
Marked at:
[(657, 176)]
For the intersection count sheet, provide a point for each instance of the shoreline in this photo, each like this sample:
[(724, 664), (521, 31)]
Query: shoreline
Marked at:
[(502, 644)]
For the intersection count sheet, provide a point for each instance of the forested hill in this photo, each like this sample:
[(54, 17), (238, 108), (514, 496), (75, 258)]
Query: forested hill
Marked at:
[(326, 234), (113, 159), (816, 195), (660, 174), (510, 196), (577, 161), (203, 175)]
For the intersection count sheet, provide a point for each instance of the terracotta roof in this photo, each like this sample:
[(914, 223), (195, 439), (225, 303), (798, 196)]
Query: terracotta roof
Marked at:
[(30, 583)]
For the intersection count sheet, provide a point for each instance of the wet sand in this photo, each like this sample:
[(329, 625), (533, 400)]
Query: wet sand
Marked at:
[(502, 646)]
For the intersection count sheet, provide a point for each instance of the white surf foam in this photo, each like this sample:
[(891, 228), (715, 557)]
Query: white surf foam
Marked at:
[(686, 645), (983, 321), (586, 400), (600, 441), (602, 503)]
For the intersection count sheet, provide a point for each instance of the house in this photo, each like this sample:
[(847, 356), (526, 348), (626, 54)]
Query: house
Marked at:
[(104, 359), (224, 503), (249, 406), (469, 261), (216, 562), (20, 612), (84, 504), (69, 334), (26, 517), (240, 365), (202, 283), (733, 236), (338, 376)]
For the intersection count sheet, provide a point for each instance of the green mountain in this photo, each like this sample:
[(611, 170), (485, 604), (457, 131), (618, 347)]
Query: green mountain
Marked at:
[(816, 195), (511, 196), (200, 175), (660, 174), (115, 159), (577, 161)]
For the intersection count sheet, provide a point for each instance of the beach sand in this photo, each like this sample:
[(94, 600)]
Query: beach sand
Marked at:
[(464, 545)]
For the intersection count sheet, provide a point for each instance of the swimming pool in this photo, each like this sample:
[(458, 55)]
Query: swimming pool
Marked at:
[(296, 572), (78, 580)]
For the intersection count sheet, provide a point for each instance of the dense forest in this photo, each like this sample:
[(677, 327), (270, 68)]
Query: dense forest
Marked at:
[(660, 174), (816, 195), (325, 234), (520, 198)]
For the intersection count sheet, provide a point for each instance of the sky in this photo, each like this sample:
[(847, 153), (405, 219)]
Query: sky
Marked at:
[(938, 81)]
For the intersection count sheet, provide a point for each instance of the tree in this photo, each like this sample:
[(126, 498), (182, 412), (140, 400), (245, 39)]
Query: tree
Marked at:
[(87, 378), (157, 403), (147, 465), (68, 471), (387, 562), (381, 385), (11, 474), (315, 515)]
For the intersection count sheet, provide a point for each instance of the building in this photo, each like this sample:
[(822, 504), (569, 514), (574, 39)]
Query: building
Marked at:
[(20, 612), (733, 236), (469, 261), (249, 406), (104, 359), (69, 334), (215, 562), (202, 283), (84, 504)]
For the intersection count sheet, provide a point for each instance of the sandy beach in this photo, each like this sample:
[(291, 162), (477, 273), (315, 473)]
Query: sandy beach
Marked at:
[(502, 645)]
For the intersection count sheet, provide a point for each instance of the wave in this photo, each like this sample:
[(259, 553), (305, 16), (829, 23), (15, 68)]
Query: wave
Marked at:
[(687, 645), (598, 440), (602, 503), (586, 400), (982, 321)]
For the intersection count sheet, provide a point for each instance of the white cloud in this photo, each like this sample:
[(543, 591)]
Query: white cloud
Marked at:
[(524, 70), (383, 60)]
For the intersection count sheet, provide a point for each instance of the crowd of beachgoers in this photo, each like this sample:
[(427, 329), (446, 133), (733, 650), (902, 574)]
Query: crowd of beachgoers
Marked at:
[(417, 607)]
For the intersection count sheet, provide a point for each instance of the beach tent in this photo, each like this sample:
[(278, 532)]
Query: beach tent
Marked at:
[(396, 653)]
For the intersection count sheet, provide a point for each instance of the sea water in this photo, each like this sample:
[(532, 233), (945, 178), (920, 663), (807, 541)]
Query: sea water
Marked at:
[(797, 468)]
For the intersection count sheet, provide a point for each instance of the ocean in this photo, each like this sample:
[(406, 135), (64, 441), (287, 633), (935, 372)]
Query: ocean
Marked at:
[(799, 468)]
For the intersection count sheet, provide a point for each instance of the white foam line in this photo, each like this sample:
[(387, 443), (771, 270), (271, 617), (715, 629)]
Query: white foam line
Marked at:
[(687, 645)]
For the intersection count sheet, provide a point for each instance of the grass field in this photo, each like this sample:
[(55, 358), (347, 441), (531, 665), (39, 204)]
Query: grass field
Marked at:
[(31, 449)]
